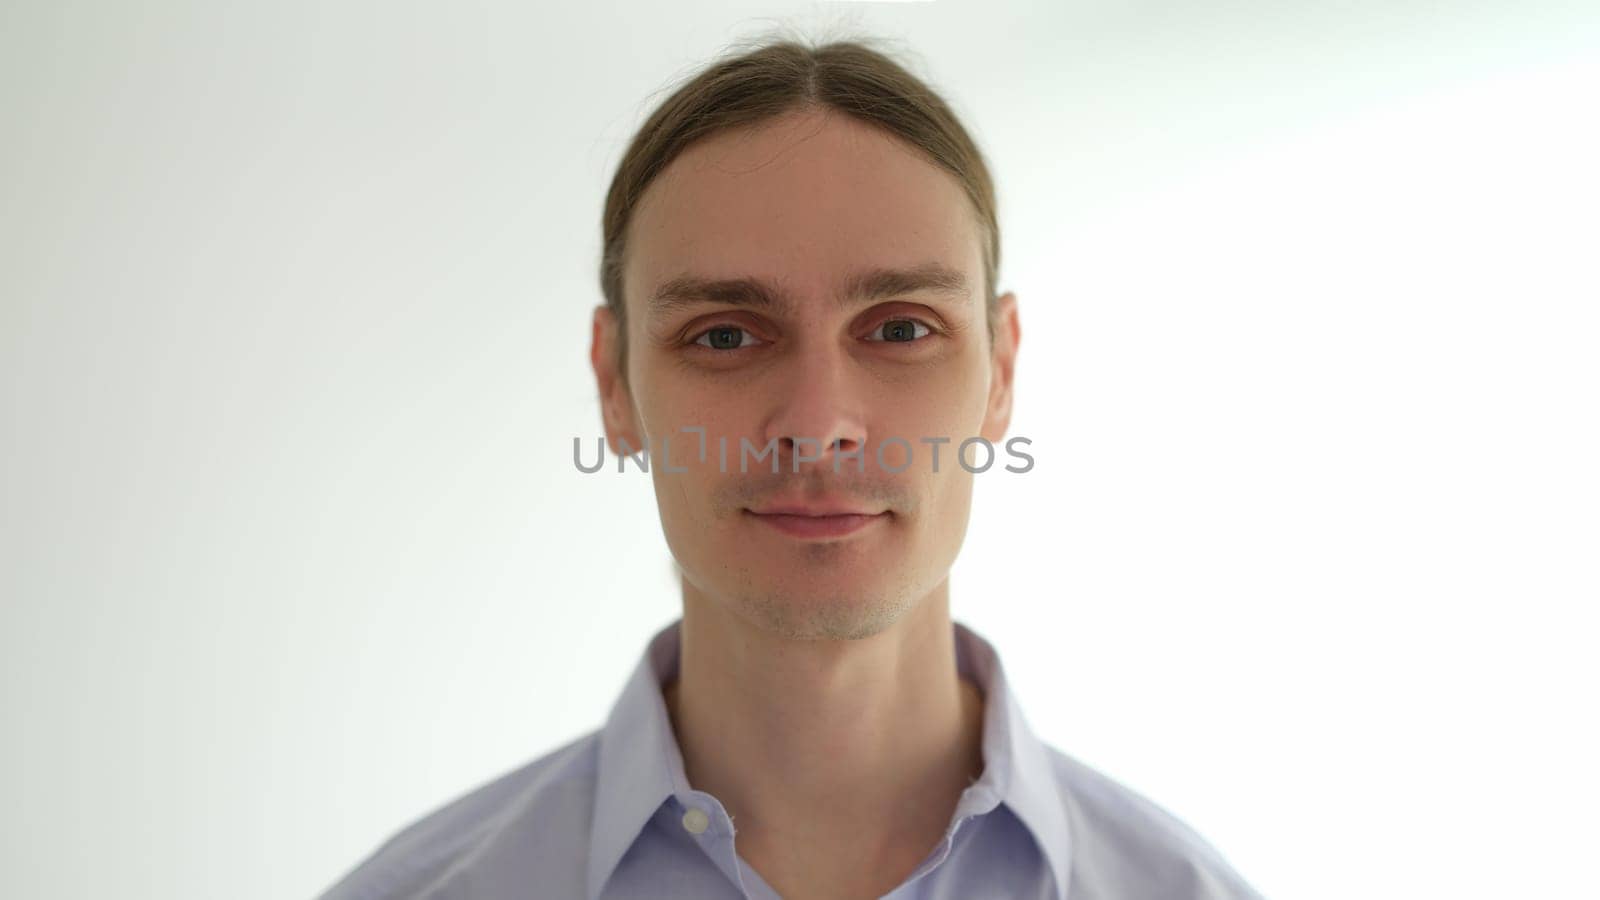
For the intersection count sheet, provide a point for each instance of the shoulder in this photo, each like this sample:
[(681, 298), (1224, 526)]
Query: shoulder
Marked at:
[(1126, 845), (467, 837)]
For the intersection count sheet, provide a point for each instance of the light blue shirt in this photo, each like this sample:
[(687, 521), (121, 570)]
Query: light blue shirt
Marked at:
[(611, 815)]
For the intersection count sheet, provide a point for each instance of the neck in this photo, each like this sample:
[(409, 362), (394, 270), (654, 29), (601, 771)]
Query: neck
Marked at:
[(841, 761)]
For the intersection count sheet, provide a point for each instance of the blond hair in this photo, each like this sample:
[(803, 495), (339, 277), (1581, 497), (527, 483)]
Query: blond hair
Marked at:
[(780, 77)]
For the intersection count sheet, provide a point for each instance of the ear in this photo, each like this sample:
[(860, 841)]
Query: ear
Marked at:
[(1003, 359), (616, 401)]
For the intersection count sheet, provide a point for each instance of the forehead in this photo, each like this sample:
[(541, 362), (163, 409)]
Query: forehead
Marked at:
[(805, 201)]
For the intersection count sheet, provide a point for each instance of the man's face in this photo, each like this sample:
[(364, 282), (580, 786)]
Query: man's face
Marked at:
[(802, 205)]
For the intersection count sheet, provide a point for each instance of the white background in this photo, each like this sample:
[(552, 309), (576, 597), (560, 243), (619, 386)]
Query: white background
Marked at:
[(294, 306)]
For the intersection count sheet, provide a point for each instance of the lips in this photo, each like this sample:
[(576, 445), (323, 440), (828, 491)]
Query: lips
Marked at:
[(814, 511), (818, 526)]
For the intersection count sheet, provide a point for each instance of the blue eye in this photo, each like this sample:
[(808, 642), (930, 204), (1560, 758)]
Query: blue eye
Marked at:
[(723, 337), (904, 331), (892, 331)]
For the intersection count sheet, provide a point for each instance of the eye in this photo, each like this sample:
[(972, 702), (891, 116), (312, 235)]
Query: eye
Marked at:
[(723, 337), (901, 331)]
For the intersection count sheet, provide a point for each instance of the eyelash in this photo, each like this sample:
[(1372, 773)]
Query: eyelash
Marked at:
[(916, 321)]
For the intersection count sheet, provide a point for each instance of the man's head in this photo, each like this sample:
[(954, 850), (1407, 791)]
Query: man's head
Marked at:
[(800, 249)]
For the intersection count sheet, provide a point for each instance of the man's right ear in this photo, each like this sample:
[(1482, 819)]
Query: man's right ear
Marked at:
[(616, 403)]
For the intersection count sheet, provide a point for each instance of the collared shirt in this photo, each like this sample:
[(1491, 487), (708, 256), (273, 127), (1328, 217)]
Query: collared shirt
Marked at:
[(611, 815)]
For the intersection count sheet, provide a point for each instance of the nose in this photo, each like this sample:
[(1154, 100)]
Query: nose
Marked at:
[(818, 410)]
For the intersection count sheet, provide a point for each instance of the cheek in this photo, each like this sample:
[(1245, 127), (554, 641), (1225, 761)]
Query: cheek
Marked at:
[(946, 403), (666, 407), (718, 423)]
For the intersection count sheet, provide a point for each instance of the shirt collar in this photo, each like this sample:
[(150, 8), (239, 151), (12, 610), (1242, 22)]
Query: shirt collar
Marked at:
[(1017, 764), (640, 765)]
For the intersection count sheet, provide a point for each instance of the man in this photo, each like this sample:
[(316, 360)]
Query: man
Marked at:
[(800, 258)]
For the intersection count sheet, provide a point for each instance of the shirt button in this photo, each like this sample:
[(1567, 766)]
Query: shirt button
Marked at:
[(695, 820)]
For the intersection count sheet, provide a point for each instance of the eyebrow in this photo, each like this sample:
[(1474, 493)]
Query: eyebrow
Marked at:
[(860, 287)]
